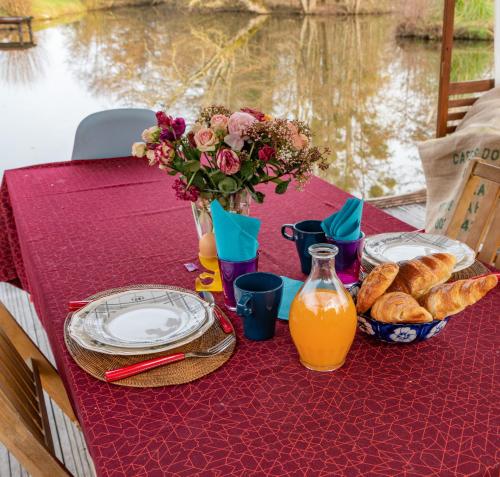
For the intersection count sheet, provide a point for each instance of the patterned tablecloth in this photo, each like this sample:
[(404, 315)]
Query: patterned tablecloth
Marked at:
[(69, 230)]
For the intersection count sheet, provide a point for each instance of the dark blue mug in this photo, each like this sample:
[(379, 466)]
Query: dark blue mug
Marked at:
[(304, 234), (258, 298)]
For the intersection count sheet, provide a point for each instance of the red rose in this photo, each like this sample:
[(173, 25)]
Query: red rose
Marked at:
[(256, 114), (266, 153)]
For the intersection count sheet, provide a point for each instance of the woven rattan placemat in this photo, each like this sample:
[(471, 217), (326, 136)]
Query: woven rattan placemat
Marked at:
[(179, 372), (476, 269)]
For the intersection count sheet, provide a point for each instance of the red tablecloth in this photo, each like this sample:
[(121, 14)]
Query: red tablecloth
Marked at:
[(429, 409)]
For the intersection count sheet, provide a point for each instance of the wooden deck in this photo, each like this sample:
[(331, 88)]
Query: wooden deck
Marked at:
[(69, 444), (68, 440)]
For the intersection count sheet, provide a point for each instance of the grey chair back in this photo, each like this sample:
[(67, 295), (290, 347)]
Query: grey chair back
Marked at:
[(111, 133)]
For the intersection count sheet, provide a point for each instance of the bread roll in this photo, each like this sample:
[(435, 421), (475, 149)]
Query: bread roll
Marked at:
[(375, 285), (451, 298), (398, 307), (416, 277)]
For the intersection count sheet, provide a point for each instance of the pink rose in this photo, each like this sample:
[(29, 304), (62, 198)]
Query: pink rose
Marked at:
[(205, 139), (299, 140), (234, 141), (266, 153), (228, 161), (219, 122), (239, 122)]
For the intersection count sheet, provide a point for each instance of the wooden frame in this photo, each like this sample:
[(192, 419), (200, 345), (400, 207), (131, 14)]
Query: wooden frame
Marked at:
[(25, 427), (485, 236), (451, 111), (49, 376)]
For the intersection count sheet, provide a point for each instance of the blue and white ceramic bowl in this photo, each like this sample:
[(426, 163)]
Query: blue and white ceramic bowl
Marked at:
[(400, 332)]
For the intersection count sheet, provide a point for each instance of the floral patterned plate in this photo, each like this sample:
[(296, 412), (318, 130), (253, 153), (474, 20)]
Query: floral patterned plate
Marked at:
[(400, 332)]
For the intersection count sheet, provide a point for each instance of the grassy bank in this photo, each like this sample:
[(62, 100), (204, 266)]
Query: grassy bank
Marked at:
[(43, 9), (474, 19)]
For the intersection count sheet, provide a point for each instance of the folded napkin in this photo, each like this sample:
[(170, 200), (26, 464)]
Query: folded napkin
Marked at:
[(346, 223), (235, 235), (290, 289)]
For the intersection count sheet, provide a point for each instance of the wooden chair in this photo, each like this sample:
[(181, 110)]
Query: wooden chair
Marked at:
[(451, 110), (51, 381), (484, 236), (24, 426), (24, 430)]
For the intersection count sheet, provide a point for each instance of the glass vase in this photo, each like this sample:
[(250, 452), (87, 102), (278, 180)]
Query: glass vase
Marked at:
[(322, 315), (238, 203)]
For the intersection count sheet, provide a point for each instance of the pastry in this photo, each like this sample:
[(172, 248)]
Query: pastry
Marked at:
[(451, 298), (398, 307), (416, 277), (375, 285)]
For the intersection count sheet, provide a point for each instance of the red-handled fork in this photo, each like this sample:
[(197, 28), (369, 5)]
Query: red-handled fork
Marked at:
[(137, 368)]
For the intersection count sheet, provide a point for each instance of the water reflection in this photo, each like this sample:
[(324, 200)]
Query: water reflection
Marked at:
[(22, 65), (368, 97)]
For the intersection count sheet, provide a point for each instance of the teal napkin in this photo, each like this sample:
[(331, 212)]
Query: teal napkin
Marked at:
[(235, 235), (346, 223), (290, 289)]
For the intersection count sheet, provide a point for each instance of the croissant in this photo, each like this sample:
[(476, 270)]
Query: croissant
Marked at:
[(418, 276), (398, 307), (375, 285), (451, 298)]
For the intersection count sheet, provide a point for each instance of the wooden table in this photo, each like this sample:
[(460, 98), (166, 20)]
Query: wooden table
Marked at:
[(18, 23)]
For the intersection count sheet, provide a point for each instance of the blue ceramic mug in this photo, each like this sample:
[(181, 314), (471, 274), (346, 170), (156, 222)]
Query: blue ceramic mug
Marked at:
[(304, 234), (258, 298)]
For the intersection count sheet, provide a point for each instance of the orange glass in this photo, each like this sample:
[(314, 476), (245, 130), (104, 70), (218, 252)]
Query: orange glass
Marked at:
[(323, 315)]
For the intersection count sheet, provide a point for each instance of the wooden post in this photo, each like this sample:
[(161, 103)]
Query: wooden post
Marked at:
[(445, 68), (20, 31), (30, 29), (497, 43)]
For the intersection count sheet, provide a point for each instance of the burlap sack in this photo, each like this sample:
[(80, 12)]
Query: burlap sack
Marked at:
[(445, 161)]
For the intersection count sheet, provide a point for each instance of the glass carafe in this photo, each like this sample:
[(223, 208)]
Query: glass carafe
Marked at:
[(322, 315)]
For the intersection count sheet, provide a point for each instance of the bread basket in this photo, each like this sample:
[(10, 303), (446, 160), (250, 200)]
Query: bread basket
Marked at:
[(400, 333)]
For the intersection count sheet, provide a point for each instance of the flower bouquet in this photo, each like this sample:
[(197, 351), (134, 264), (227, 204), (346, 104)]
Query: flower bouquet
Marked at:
[(226, 154)]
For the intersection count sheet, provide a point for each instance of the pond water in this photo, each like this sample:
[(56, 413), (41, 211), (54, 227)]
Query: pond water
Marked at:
[(368, 96)]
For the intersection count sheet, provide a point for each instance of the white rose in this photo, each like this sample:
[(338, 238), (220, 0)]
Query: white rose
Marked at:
[(138, 149), (150, 154), (151, 134)]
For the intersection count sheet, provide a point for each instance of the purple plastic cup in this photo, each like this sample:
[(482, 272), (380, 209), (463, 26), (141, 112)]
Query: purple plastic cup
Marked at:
[(230, 271), (348, 260)]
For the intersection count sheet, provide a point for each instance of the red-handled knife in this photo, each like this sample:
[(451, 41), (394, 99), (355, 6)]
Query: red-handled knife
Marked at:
[(223, 320), (77, 304)]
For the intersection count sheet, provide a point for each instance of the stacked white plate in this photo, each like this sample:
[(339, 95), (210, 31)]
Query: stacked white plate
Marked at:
[(401, 246), (141, 321)]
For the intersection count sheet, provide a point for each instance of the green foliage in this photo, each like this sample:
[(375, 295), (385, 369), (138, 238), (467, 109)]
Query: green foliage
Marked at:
[(473, 19)]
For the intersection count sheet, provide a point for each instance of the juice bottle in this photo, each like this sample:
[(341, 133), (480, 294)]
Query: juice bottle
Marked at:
[(323, 315)]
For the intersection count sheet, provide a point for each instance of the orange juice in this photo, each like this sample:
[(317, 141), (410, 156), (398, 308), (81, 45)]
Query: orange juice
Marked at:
[(323, 325)]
